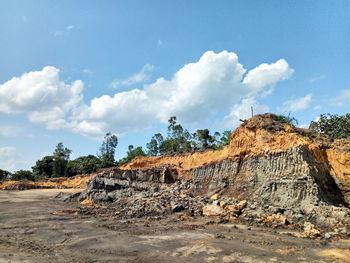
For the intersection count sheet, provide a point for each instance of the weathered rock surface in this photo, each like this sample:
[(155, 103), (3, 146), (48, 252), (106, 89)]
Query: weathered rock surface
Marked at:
[(269, 172)]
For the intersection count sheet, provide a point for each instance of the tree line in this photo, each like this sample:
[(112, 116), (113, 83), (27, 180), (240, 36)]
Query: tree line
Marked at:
[(177, 140)]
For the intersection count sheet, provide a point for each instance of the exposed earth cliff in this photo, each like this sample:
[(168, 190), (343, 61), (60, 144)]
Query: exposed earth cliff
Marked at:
[(270, 173)]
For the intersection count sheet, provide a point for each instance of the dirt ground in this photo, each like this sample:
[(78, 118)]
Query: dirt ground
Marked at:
[(34, 228)]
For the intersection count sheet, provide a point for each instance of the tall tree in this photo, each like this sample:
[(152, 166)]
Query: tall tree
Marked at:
[(107, 150), (22, 175), (83, 165), (333, 125), (203, 139), (44, 168), (178, 139), (60, 160)]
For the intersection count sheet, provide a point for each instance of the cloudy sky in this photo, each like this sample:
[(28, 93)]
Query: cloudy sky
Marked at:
[(70, 71)]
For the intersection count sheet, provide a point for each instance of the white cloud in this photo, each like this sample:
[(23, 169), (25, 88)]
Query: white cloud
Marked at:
[(42, 96), (342, 99), (198, 91), (297, 104), (87, 71), (317, 77), (243, 111), (70, 27), (159, 43), (7, 151), (65, 32), (268, 74), (140, 77), (9, 160)]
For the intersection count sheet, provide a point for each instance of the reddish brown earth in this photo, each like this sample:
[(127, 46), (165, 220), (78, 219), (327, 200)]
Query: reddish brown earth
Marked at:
[(59, 183)]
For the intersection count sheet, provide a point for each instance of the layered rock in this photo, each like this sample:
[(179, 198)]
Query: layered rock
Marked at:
[(276, 167)]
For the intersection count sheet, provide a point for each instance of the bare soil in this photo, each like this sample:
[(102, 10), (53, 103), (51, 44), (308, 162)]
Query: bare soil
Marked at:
[(34, 228)]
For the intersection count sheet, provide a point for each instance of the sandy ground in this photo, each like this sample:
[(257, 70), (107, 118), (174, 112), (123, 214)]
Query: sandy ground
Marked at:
[(32, 229)]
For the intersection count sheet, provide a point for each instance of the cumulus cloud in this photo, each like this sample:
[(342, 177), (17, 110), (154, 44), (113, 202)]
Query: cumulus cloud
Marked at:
[(195, 93), (140, 77), (268, 74), (215, 84), (297, 104), (42, 96), (9, 160), (342, 99)]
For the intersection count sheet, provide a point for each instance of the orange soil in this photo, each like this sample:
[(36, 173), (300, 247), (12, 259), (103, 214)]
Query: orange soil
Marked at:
[(259, 135), (250, 139), (61, 182)]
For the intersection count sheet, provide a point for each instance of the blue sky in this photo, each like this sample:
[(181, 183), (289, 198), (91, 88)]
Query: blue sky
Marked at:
[(72, 70)]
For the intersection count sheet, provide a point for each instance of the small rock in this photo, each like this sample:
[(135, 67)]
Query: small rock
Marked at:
[(219, 235), (216, 202), (223, 204), (311, 231), (175, 207), (242, 204), (328, 235), (213, 210), (215, 197), (87, 202)]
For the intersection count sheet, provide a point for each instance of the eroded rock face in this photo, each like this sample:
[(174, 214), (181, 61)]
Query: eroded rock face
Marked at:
[(277, 168), (102, 188), (287, 179)]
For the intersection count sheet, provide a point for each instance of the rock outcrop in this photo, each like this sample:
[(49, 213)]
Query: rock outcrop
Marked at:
[(277, 168)]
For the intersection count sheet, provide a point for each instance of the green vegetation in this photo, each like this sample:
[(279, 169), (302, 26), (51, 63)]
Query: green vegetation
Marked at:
[(286, 119), (333, 125), (23, 175), (176, 140), (131, 154), (107, 150), (84, 165), (179, 140)]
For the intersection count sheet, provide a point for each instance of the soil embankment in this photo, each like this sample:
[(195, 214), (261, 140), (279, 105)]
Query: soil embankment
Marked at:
[(282, 174), (53, 183)]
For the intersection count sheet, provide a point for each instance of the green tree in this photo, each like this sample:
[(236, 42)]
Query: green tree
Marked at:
[(286, 119), (22, 175), (178, 139), (225, 139), (333, 125), (154, 146), (203, 139), (107, 150), (131, 154), (83, 165), (60, 160), (4, 174), (44, 168)]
